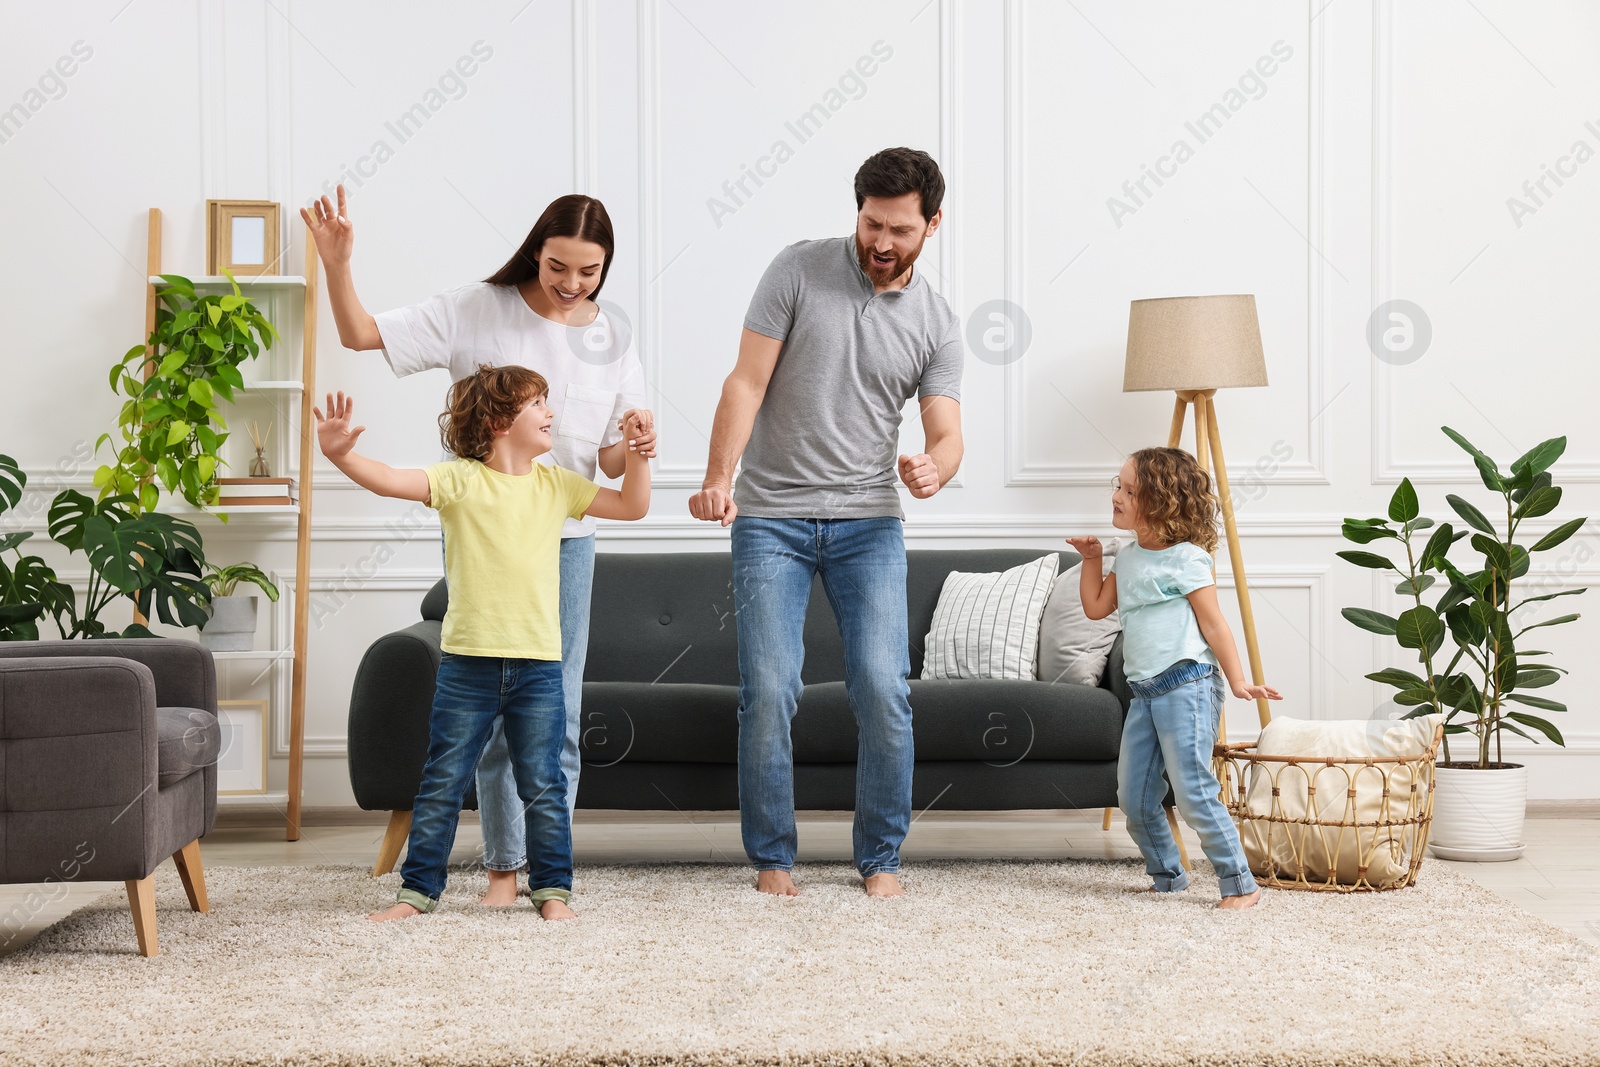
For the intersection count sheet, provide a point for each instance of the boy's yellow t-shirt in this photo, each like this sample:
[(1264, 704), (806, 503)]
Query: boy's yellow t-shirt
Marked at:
[(502, 555)]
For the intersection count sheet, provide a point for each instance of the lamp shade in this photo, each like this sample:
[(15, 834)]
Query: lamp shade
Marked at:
[(1193, 342)]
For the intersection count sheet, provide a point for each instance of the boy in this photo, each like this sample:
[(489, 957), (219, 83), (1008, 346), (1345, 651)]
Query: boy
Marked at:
[(502, 513)]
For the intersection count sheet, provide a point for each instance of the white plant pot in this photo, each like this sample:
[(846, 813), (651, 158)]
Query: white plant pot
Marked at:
[(232, 626), (1477, 814)]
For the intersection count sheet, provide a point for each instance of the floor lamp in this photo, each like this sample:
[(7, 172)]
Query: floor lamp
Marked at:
[(1195, 345)]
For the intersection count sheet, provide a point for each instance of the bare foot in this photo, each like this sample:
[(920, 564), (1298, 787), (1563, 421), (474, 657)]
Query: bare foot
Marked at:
[(502, 890), (555, 910), (398, 911), (884, 884), (1240, 903), (778, 883)]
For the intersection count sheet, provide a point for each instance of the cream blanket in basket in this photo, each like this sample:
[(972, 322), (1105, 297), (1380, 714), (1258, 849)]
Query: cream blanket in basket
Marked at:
[(1386, 851)]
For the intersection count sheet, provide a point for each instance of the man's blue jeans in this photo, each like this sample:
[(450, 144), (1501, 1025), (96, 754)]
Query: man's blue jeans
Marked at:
[(1172, 724), (498, 805), (863, 567), (472, 691)]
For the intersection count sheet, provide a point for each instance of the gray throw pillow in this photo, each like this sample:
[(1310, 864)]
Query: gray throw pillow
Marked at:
[(1072, 646)]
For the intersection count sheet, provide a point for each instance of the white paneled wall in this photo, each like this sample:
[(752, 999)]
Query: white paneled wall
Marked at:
[(1325, 157)]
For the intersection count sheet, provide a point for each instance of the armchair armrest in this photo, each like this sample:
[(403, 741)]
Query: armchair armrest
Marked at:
[(184, 673), (390, 703)]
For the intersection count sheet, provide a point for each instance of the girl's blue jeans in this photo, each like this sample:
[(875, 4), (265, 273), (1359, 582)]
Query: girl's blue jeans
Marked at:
[(498, 805), (1171, 727), (472, 692)]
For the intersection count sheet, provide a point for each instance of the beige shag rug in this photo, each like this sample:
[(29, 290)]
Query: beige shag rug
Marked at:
[(983, 963)]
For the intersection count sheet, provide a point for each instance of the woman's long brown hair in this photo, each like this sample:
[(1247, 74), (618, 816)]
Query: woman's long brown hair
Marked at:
[(574, 215)]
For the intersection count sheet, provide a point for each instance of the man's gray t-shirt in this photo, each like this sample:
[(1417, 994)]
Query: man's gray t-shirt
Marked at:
[(825, 444)]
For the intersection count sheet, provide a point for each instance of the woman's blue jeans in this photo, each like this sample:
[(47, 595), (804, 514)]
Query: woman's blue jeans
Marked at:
[(863, 567), (472, 693), (498, 803), (1171, 727)]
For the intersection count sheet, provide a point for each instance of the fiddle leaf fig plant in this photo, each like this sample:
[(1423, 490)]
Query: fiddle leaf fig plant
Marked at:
[(170, 427), (1483, 689)]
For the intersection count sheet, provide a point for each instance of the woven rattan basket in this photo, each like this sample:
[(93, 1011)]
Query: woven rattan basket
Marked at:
[(1374, 839)]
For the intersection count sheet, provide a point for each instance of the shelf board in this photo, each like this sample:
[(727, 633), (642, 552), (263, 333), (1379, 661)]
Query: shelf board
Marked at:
[(283, 385), (263, 654), (266, 281), (246, 800)]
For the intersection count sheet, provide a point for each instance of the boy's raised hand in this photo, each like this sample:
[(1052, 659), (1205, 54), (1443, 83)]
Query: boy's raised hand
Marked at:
[(334, 435), (1087, 547), (638, 427)]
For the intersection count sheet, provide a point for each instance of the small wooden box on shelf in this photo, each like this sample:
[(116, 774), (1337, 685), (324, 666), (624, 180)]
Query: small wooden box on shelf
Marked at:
[(270, 398)]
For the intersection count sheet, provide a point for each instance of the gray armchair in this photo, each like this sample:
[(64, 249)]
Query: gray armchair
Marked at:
[(108, 753)]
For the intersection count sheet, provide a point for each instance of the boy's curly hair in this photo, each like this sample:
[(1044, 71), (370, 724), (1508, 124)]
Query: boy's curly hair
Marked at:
[(1175, 498), (483, 402)]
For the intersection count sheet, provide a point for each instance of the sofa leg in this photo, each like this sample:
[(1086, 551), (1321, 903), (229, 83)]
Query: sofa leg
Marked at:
[(1105, 820), (142, 902), (193, 875), (394, 839), (1177, 835)]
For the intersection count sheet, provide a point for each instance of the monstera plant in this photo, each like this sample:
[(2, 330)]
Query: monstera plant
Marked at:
[(1486, 689), (154, 561)]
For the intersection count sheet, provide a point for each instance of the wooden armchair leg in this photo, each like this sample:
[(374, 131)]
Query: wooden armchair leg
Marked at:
[(142, 902), (1105, 820), (1177, 835), (193, 875), (394, 839)]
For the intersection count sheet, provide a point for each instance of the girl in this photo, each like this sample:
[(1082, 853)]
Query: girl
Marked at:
[(537, 311), (1177, 649)]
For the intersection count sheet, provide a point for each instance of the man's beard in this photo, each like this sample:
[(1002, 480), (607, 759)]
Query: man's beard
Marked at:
[(884, 275)]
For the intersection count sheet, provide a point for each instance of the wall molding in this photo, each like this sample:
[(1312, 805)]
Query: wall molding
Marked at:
[(1018, 471), (1388, 468)]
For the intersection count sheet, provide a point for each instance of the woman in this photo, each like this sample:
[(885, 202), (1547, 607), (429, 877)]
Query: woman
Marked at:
[(539, 311)]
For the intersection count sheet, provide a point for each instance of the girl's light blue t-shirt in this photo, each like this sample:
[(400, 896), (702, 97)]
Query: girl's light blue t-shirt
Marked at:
[(1159, 627)]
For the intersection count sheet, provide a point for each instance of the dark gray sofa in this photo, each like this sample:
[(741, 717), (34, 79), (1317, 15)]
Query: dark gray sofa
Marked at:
[(660, 704)]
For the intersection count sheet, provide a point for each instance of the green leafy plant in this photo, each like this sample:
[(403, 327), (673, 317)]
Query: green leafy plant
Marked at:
[(1476, 608), (151, 559), (170, 426), (29, 587), (224, 580)]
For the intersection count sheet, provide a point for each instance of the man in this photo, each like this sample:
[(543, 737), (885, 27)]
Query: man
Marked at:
[(840, 334)]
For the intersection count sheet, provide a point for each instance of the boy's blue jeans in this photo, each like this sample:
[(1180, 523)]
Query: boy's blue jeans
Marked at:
[(863, 567), (498, 805), (1171, 726), (471, 692)]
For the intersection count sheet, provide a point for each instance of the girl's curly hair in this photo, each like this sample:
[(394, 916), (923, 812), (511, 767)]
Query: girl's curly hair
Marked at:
[(484, 402), (1175, 498)]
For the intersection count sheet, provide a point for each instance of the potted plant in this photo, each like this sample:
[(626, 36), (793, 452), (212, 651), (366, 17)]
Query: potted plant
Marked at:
[(170, 425), (232, 625), (1480, 799), (152, 560)]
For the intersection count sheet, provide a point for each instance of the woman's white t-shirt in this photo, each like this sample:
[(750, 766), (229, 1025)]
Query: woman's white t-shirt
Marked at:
[(591, 384)]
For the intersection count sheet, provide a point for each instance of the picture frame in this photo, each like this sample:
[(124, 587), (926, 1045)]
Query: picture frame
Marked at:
[(242, 237), (242, 760)]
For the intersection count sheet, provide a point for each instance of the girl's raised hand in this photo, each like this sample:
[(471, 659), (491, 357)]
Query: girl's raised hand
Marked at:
[(1087, 547)]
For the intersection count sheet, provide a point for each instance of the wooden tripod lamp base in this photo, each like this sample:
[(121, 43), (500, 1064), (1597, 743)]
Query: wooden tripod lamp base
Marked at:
[(1175, 343)]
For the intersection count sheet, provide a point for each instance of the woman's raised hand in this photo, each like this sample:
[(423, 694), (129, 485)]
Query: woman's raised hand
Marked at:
[(332, 230)]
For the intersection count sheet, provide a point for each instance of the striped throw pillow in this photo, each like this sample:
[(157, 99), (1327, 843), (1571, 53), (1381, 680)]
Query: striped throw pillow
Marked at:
[(987, 625)]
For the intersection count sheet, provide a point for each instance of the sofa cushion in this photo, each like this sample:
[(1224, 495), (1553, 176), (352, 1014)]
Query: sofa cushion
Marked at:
[(663, 723), (1072, 646), (987, 625), (187, 739), (972, 719)]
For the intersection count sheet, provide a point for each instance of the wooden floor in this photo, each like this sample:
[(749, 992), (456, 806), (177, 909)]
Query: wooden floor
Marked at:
[(1558, 879)]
